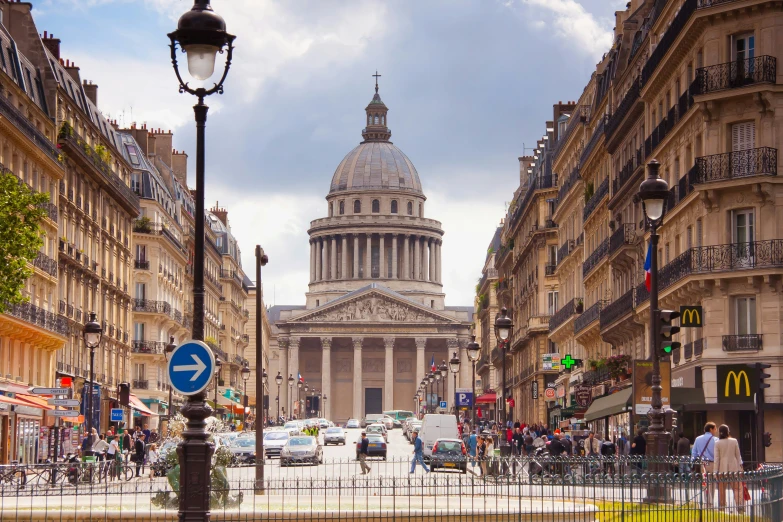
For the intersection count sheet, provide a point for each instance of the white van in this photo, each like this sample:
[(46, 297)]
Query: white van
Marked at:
[(434, 427)]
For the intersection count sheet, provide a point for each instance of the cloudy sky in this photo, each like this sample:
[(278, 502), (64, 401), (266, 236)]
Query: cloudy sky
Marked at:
[(469, 83)]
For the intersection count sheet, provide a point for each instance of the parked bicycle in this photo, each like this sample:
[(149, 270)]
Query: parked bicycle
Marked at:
[(13, 474)]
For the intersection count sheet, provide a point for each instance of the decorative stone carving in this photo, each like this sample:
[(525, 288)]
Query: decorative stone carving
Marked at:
[(326, 343), (404, 365), (374, 308), (372, 365), (343, 365), (452, 344), (357, 342), (388, 342), (282, 343), (294, 343), (421, 342)]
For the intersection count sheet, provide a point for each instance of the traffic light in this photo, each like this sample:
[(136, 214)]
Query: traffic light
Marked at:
[(762, 375), (670, 421), (125, 394), (767, 439), (667, 331)]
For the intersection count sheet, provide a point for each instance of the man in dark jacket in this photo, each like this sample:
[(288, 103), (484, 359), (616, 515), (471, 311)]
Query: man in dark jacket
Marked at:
[(418, 454), (138, 454), (126, 444), (364, 451)]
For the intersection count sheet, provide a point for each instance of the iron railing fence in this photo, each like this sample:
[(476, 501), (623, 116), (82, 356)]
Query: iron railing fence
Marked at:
[(516, 488), (735, 74)]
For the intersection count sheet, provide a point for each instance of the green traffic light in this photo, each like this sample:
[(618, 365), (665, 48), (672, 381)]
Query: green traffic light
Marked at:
[(667, 348)]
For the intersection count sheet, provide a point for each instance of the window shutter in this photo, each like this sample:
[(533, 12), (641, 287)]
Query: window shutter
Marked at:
[(743, 136)]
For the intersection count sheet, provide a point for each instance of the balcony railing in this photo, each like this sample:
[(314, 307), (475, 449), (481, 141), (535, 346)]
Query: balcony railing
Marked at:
[(688, 351), (698, 347), (668, 38), (538, 183), (141, 384), (39, 317), (147, 305), (567, 184), (592, 203), (578, 116), (597, 376), (20, 121), (601, 251), (624, 235), (45, 263), (51, 210), (597, 133), (148, 347), (141, 264), (589, 315), (762, 161), (717, 258), (742, 343), (550, 269), (627, 172), (617, 309), (564, 250), (736, 74), (563, 314), (622, 110)]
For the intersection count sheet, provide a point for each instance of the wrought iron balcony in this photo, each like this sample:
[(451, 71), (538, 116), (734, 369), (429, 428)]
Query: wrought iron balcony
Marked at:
[(601, 251), (698, 347), (568, 184), (622, 110), (148, 347), (627, 172), (592, 203), (24, 125), (591, 314), (616, 309), (45, 263), (562, 315), (39, 317), (597, 376), (736, 74), (624, 235), (762, 161), (564, 250), (141, 264), (549, 269), (141, 384), (149, 306), (598, 132), (688, 351), (742, 343), (51, 210)]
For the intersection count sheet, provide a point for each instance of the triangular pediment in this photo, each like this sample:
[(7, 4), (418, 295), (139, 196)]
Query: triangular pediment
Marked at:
[(373, 305)]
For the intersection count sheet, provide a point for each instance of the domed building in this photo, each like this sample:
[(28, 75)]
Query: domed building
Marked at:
[(375, 317)]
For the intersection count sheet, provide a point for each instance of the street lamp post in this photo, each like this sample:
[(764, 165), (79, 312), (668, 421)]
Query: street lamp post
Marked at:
[(430, 406), (437, 388), (261, 260), (503, 326), (299, 386), (654, 192), (444, 372), (92, 338), (454, 367), (201, 34), (218, 365), (245, 371), (169, 350), (290, 395), (474, 351), (306, 388), (324, 408), (279, 381)]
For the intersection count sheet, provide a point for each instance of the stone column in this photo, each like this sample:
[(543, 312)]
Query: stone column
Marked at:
[(333, 261), (317, 259), (312, 261), (421, 342), (394, 256), (438, 274), (382, 256), (453, 346), (434, 262), (293, 360), (325, 259), (356, 256), (427, 260), (283, 368), (465, 366), (416, 258), (406, 258), (358, 388), (344, 259), (368, 258), (326, 373), (388, 376)]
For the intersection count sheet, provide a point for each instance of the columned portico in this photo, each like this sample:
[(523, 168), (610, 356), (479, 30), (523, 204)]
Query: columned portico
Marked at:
[(326, 373), (293, 358), (388, 374), (356, 256), (358, 390), (421, 343), (394, 256)]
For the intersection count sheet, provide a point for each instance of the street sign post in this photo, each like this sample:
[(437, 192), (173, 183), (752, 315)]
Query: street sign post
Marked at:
[(190, 367), (49, 391), (443, 405), (63, 413), (117, 414), (71, 403)]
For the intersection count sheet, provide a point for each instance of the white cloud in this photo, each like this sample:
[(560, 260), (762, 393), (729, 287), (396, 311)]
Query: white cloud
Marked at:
[(572, 22)]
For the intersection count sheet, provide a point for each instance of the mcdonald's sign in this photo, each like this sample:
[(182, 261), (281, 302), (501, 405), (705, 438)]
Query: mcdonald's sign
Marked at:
[(736, 383), (691, 317)]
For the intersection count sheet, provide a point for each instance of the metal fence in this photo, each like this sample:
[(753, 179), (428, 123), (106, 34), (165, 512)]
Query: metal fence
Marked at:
[(515, 488)]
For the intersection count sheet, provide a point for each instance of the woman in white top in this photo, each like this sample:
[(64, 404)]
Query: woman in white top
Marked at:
[(152, 458)]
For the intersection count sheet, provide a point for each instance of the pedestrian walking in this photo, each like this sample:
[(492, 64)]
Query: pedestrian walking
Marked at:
[(364, 451), (482, 455), (138, 453), (126, 445), (472, 448), (418, 454), (729, 460), (152, 459), (683, 450), (704, 454)]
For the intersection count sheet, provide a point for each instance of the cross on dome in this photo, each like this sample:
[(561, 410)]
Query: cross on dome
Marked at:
[(376, 111)]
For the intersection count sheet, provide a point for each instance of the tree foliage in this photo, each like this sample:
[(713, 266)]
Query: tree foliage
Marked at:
[(21, 236)]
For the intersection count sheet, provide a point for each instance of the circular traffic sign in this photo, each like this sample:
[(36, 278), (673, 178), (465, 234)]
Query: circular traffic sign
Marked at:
[(549, 393), (190, 367)]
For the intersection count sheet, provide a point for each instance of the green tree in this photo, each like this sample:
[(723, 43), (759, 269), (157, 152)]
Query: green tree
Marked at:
[(21, 237)]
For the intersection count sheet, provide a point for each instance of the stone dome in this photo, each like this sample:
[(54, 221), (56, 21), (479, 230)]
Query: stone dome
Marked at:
[(376, 165)]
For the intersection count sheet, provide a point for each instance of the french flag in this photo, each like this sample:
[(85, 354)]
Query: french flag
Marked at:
[(300, 377), (432, 364), (647, 268)]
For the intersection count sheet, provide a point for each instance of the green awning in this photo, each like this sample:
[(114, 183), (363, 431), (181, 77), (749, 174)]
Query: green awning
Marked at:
[(688, 398), (609, 405)]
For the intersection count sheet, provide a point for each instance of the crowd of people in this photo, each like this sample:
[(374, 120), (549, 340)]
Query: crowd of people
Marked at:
[(138, 446)]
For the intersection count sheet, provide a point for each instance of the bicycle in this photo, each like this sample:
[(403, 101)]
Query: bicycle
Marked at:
[(119, 469), (13, 474)]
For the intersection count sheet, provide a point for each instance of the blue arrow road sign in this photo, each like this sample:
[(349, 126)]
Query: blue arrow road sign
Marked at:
[(191, 367), (116, 415)]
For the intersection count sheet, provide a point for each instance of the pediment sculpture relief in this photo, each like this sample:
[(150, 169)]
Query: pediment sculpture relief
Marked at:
[(373, 308)]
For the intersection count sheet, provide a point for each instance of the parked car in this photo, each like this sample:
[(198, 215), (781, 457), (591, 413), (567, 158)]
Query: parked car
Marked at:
[(387, 421), (334, 435), (301, 450), (416, 429), (324, 424), (375, 448), (449, 454), (437, 426), (409, 426), (379, 429), (244, 450), (274, 442), (371, 418), (353, 423), (293, 427)]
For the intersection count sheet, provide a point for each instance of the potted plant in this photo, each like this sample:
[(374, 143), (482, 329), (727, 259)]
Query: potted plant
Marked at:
[(618, 366), (580, 305), (593, 364)]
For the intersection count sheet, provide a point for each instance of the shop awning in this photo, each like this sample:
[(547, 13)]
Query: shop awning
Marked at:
[(139, 406), (14, 402), (227, 404), (691, 399), (487, 398), (609, 405), (34, 400)]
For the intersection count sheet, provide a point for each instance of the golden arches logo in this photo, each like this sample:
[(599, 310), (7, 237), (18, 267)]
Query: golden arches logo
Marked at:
[(737, 377), (688, 316)]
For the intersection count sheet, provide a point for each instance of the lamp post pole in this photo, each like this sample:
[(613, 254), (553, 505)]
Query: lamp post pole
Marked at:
[(169, 350), (279, 381), (201, 34), (444, 372), (92, 334), (261, 260), (503, 326), (290, 395), (474, 350), (454, 364)]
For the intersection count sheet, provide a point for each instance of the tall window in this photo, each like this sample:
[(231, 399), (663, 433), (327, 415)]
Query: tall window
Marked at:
[(743, 237), (376, 206), (138, 331), (551, 298), (552, 255), (141, 252), (745, 315), (421, 210), (357, 207), (410, 208), (394, 206), (331, 207), (342, 208), (376, 119), (141, 291)]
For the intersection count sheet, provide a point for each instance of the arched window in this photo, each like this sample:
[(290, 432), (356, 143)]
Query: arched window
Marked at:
[(410, 208), (421, 210), (376, 206), (394, 206), (383, 120), (342, 208), (376, 119), (369, 120), (330, 209), (357, 207)]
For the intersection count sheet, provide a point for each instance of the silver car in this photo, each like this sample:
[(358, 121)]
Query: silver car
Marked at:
[(334, 436), (274, 442), (301, 450)]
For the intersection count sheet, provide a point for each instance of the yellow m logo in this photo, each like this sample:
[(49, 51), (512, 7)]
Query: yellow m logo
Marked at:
[(737, 377), (688, 316)]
